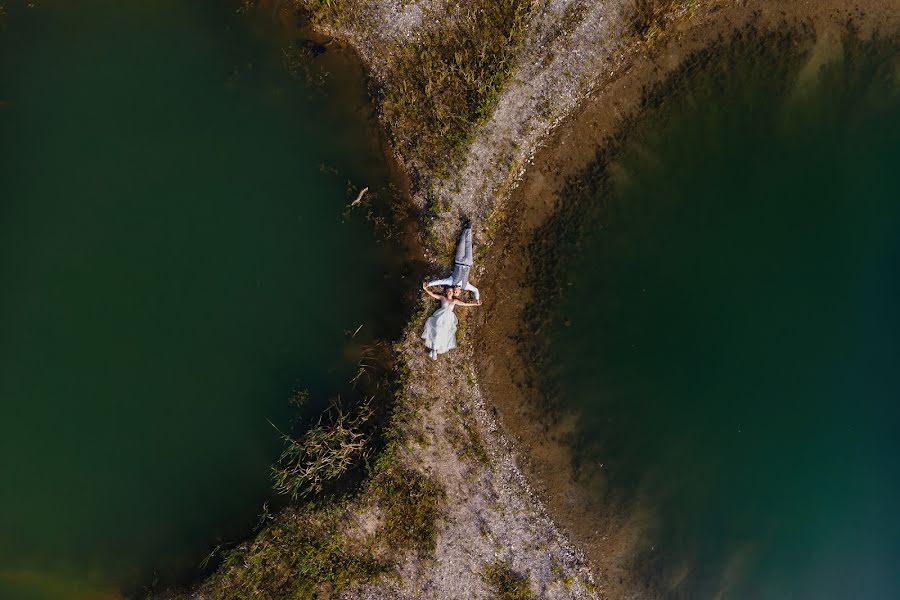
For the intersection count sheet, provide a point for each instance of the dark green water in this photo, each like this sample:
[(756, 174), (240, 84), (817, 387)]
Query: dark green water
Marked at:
[(733, 338), (174, 261)]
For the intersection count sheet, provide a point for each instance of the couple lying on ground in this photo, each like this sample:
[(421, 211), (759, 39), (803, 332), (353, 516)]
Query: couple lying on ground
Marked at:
[(440, 328)]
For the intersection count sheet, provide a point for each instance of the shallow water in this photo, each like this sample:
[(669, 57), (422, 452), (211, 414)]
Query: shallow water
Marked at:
[(730, 332), (175, 261)]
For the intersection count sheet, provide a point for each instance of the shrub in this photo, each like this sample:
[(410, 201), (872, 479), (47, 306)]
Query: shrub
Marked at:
[(506, 584), (324, 453)]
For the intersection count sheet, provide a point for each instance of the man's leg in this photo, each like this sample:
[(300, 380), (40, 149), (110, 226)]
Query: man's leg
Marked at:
[(464, 248), (460, 275)]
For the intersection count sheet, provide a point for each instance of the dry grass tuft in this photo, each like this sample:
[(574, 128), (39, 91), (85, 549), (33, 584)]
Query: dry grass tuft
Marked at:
[(324, 453), (506, 584), (412, 505), (648, 18), (449, 80)]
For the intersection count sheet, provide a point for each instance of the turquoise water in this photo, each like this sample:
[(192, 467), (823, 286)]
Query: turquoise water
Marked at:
[(175, 260), (730, 331)]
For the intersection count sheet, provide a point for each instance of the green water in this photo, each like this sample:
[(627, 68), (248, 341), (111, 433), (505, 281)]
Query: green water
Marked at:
[(174, 261), (730, 332)]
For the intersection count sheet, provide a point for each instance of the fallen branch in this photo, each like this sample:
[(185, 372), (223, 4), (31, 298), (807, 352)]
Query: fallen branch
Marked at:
[(359, 198)]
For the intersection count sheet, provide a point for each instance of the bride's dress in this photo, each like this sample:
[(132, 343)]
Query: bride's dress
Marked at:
[(440, 329)]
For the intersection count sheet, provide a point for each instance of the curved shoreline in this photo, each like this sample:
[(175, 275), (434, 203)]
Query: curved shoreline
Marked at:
[(610, 540)]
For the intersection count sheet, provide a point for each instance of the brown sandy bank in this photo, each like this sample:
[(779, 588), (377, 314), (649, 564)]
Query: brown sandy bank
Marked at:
[(613, 537)]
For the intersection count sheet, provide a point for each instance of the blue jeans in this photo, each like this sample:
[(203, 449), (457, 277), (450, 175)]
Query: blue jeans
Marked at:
[(464, 259)]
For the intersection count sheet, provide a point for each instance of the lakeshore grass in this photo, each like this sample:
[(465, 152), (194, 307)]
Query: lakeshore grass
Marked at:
[(317, 550), (449, 80), (648, 17), (303, 555), (505, 583), (313, 551), (320, 549), (325, 452), (445, 81), (411, 504)]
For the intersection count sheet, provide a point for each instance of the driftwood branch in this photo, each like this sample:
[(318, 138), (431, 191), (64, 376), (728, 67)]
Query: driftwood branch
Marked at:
[(359, 197)]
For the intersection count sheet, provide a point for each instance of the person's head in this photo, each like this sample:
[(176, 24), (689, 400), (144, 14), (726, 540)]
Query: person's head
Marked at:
[(448, 292), (457, 291)]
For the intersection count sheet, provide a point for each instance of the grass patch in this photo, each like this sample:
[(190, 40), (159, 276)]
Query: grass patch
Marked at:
[(334, 13), (332, 451), (476, 446), (435, 207), (440, 85), (304, 557), (467, 441), (412, 504), (449, 79), (506, 584), (324, 453), (307, 554), (648, 18)]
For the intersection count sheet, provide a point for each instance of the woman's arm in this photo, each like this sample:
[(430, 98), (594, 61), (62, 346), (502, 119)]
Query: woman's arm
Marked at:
[(444, 281), (461, 303), (429, 292)]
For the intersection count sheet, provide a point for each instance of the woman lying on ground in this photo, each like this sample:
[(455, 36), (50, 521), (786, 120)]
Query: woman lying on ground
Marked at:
[(440, 328)]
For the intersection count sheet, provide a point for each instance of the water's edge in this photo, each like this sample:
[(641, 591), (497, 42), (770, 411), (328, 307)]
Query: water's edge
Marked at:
[(544, 225)]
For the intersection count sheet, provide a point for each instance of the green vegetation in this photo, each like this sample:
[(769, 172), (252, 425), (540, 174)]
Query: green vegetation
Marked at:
[(411, 504), (647, 18), (506, 584), (434, 206), (389, 211), (468, 444), (321, 549), (447, 80), (324, 453), (334, 13), (467, 441), (301, 556), (316, 551)]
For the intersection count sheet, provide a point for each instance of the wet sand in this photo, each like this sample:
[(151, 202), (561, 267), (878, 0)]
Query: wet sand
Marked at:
[(505, 352)]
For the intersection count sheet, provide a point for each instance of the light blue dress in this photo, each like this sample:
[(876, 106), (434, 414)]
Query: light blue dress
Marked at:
[(440, 330)]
